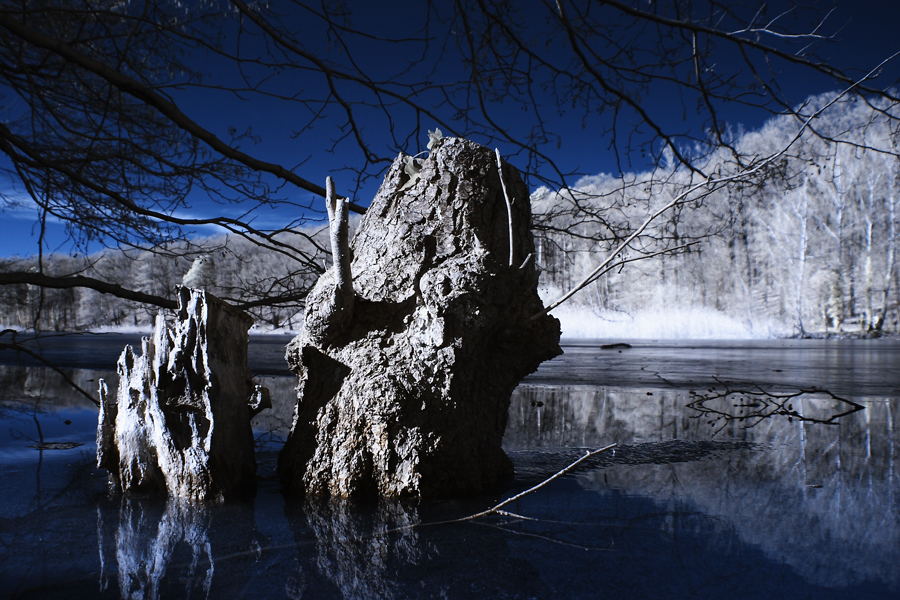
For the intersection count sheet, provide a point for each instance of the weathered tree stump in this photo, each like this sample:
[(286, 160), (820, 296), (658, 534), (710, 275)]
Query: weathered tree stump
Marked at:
[(404, 388), (180, 422)]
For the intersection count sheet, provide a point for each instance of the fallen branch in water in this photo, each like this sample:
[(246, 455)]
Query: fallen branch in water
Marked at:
[(496, 509)]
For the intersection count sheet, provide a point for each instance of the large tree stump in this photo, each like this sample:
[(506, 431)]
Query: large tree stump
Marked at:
[(180, 422), (405, 389)]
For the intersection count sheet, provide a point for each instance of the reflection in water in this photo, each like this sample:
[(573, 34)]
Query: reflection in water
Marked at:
[(389, 551), (40, 386), (359, 549), (148, 545), (820, 496), (271, 427), (173, 548)]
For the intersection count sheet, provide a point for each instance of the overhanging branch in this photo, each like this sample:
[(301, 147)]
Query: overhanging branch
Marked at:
[(79, 281), (162, 104)]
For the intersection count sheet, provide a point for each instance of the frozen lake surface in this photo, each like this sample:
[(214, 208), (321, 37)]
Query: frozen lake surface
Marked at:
[(743, 469)]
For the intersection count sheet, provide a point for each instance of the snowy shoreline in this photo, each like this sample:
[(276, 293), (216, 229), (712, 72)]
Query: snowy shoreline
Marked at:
[(584, 323)]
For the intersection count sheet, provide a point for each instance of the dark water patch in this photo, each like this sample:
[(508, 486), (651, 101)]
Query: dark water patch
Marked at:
[(102, 351), (853, 368), (533, 465)]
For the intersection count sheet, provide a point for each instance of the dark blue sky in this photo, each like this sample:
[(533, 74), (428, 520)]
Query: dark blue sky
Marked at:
[(867, 35)]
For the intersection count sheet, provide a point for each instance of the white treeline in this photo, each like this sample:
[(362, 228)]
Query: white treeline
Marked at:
[(230, 267), (807, 246)]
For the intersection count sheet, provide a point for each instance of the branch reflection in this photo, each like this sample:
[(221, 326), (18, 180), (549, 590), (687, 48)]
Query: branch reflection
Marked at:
[(750, 405)]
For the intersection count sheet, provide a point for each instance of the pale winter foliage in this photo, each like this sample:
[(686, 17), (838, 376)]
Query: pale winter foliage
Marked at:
[(231, 268), (810, 247)]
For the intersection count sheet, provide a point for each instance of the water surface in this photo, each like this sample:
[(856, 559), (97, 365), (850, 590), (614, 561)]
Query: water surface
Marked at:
[(743, 469)]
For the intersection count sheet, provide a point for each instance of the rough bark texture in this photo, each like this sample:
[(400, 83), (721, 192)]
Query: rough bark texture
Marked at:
[(408, 395), (181, 419)]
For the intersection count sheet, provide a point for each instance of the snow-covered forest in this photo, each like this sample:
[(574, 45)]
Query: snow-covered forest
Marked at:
[(232, 268), (809, 246)]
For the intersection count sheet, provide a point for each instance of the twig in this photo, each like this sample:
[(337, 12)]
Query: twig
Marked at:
[(496, 509), (340, 246), (512, 245), (526, 261), (540, 537), (493, 510)]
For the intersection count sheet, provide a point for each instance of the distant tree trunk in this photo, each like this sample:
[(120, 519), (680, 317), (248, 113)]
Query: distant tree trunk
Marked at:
[(897, 295), (866, 324), (801, 211), (834, 306), (878, 322), (838, 200)]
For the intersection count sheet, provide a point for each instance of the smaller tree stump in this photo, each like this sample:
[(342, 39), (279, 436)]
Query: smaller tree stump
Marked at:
[(180, 422)]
